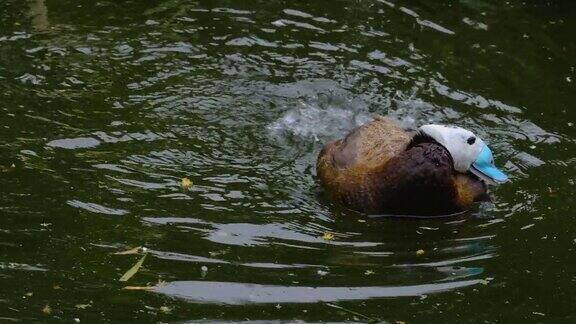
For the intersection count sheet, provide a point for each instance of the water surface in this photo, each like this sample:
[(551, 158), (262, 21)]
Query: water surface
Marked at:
[(107, 105)]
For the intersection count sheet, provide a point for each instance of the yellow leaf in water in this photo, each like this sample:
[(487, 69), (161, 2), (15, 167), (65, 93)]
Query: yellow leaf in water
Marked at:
[(135, 250), (420, 252), (83, 306), (146, 288), (47, 310), (186, 183), (165, 309), (132, 271), (328, 236), (218, 253)]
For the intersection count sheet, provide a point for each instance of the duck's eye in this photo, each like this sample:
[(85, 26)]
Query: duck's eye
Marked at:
[(471, 140)]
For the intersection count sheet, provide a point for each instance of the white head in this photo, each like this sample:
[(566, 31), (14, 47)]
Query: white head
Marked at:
[(468, 151)]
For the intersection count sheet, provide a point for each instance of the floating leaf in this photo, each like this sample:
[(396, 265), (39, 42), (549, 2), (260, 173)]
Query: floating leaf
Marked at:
[(328, 236), (203, 271), (420, 252), (322, 272), (146, 288), (186, 183), (56, 287), (165, 309), (47, 310), (370, 320), (83, 306), (136, 250), (6, 169), (132, 271), (219, 252)]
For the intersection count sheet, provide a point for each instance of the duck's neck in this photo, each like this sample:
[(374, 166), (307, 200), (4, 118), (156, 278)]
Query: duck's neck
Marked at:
[(418, 181), (421, 138)]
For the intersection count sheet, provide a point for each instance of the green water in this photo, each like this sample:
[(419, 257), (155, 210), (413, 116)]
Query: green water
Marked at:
[(106, 105)]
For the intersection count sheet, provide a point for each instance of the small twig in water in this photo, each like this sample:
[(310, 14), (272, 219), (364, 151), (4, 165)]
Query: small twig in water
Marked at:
[(370, 319)]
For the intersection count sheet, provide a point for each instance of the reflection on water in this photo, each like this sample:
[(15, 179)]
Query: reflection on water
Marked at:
[(39, 15), (108, 105), (238, 293)]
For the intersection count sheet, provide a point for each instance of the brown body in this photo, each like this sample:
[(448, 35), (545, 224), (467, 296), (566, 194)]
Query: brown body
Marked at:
[(379, 168)]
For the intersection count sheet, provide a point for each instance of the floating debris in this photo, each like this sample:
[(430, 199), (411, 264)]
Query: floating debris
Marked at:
[(526, 227), (328, 236), (47, 310), (136, 250), (165, 309), (145, 288), (84, 306), (219, 252), (6, 169), (420, 252), (370, 320), (186, 184), (132, 271), (322, 272)]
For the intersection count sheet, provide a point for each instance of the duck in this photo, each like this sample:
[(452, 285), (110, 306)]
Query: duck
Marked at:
[(379, 168)]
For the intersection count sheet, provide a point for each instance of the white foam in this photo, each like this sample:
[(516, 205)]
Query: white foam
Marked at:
[(311, 121)]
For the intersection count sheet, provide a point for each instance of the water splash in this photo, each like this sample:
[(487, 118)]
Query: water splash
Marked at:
[(321, 120)]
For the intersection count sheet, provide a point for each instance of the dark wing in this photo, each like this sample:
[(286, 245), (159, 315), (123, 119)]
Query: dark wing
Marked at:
[(418, 181)]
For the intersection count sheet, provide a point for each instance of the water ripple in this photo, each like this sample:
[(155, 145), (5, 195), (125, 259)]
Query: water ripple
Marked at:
[(244, 293), (107, 106)]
